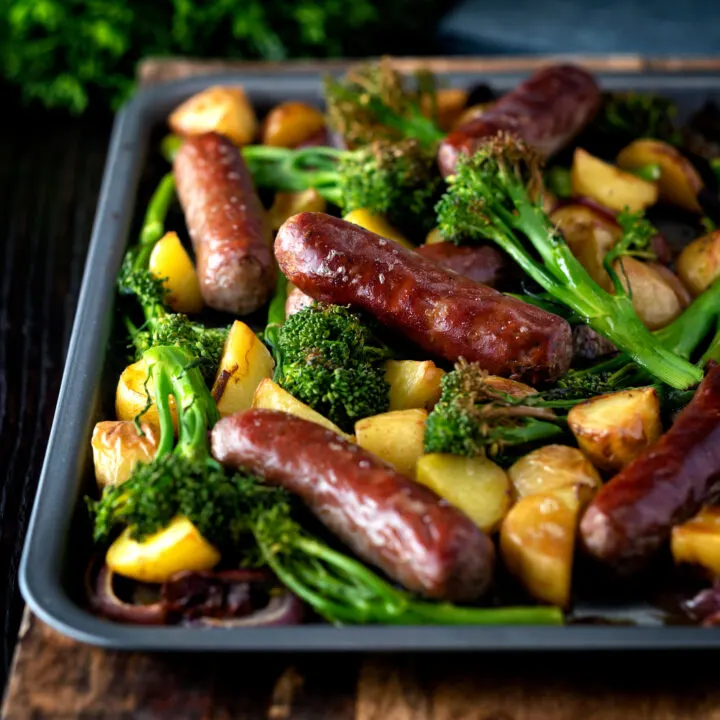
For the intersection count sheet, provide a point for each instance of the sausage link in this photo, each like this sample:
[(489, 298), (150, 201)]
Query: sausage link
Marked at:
[(227, 225), (388, 520), (634, 513), (448, 315), (546, 111), (481, 263)]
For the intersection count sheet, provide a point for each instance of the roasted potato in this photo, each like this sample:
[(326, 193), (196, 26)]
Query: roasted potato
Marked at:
[(271, 396), (118, 447), (285, 205), (131, 400), (396, 437), (434, 236), (291, 123), (677, 285), (537, 542), (450, 104), (413, 383), (613, 429), (698, 265), (476, 486), (697, 542), (654, 298), (244, 363), (220, 109), (551, 467), (474, 112), (611, 187), (679, 181), (378, 225), (178, 547), (170, 262)]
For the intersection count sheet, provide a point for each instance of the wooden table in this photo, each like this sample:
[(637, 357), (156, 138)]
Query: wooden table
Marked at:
[(53, 677)]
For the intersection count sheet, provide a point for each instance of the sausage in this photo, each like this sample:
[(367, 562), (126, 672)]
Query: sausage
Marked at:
[(448, 315), (386, 519), (481, 263), (296, 301), (546, 112), (227, 224), (634, 513)]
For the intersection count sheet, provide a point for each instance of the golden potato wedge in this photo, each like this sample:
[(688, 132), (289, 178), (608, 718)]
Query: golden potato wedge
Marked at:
[(291, 123), (244, 363), (285, 205), (396, 437), (434, 236), (450, 104), (118, 447), (679, 181), (170, 262), (698, 265), (378, 225), (271, 396), (178, 547), (697, 542), (613, 429), (654, 298), (537, 542), (551, 467), (220, 109), (476, 486), (413, 383), (131, 399), (611, 187)]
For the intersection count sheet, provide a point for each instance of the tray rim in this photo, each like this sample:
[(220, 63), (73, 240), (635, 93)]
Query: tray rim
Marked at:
[(39, 574)]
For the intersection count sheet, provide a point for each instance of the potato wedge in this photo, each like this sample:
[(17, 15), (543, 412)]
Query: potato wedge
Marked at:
[(178, 547), (291, 123), (434, 236), (378, 225), (220, 109), (698, 265), (611, 187), (653, 297), (679, 181), (613, 429), (170, 262), (537, 542), (476, 486), (271, 396), (413, 383), (131, 399), (450, 104), (285, 205), (551, 467), (118, 447), (697, 542), (244, 363), (677, 285), (396, 437)]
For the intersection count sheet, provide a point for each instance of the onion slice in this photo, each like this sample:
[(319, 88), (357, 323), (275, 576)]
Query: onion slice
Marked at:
[(106, 601)]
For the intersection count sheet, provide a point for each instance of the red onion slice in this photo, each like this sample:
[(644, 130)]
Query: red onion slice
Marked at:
[(106, 601)]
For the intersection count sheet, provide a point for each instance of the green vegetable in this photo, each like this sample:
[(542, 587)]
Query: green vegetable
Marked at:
[(649, 172), (329, 359), (472, 418), (558, 181), (70, 53), (637, 235), (489, 197), (373, 102), (400, 179)]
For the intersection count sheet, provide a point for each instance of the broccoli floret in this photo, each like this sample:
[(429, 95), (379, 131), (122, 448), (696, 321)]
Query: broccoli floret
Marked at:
[(473, 418), (327, 357)]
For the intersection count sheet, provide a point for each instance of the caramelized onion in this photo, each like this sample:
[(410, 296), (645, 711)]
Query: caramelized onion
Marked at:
[(106, 601)]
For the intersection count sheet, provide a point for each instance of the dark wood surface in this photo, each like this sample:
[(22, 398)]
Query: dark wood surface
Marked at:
[(50, 171)]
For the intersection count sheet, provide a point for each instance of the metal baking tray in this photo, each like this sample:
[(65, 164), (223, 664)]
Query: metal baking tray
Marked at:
[(56, 547)]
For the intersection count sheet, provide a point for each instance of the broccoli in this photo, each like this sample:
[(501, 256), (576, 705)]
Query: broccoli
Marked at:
[(473, 418), (373, 103), (490, 198), (327, 356), (400, 179)]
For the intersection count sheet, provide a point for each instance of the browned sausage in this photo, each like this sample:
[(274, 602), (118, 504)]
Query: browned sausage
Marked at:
[(481, 263), (546, 111), (633, 515), (296, 300), (448, 315), (388, 520), (227, 225)]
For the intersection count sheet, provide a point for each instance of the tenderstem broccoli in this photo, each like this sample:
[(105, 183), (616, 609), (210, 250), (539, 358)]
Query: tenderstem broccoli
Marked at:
[(490, 198)]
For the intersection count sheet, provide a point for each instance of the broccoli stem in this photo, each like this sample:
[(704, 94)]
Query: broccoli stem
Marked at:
[(153, 227), (170, 145), (276, 310)]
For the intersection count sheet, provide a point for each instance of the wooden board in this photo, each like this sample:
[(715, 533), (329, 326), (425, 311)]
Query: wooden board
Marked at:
[(55, 678)]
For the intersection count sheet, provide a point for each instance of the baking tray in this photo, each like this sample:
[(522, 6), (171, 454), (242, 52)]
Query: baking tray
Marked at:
[(53, 554)]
